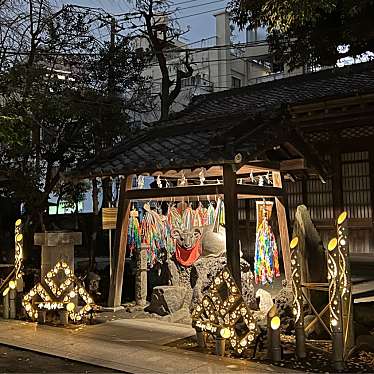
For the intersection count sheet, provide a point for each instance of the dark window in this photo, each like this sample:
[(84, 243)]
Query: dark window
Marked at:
[(236, 82)]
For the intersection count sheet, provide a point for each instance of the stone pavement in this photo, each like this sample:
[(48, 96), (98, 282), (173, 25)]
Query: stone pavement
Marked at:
[(130, 345)]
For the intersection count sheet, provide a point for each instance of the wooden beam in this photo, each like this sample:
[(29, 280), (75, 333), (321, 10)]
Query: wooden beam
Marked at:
[(147, 194), (120, 242), (294, 164), (283, 228), (249, 191), (257, 167), (232, 223), (259, 191)]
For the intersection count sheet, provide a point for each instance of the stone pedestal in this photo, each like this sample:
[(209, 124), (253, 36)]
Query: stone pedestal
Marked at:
[(57, 246), (141, 277)]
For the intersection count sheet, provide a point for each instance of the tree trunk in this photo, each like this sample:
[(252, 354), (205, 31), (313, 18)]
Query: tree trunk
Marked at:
[(76, 213), (95, 221)]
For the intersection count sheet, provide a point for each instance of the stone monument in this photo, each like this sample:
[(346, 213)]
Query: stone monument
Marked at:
[(56, 246)]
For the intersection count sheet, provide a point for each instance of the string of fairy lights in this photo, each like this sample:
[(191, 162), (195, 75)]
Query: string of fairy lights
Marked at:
[(61, 296), (220, 316), (18, 258)]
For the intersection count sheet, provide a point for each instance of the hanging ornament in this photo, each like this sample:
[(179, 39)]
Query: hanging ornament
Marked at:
[(152, 229), (201, 215), (266, 264), (202, 176), (158, 181), (268, 178), (173, 216), (183, 180), (134, 233), (140, 181), (222, 213), (260, 180), (210, 213), (167, 237), (187, 218)]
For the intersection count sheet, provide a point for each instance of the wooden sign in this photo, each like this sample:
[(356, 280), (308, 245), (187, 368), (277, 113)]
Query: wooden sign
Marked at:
[(109, 218), (261, 208)]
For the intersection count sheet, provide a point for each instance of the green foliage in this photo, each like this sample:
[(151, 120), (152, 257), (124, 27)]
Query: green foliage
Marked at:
[(309, 32), (62, 102)]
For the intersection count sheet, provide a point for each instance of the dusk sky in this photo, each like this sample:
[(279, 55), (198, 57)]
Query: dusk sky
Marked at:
[(202, 25)]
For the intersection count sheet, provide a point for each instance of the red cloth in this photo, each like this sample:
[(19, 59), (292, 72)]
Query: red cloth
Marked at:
[(188, 257)]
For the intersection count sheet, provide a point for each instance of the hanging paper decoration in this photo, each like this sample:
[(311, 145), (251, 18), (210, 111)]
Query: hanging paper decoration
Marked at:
[(152, 229), (188, 218), (168, 239), (201, 215), (221, 213), (134, 233), (266, 264), (173, 216), (182, 206), (210, 213)]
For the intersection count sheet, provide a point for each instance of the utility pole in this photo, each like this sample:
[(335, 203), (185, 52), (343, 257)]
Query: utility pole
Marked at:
[(107, 184), (112, 46)]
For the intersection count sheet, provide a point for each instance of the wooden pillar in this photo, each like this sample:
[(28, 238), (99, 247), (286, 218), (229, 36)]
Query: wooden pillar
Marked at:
[(248, 228), (337, 183), (371, 181), (120, 241), (283, 227), (232, 223)]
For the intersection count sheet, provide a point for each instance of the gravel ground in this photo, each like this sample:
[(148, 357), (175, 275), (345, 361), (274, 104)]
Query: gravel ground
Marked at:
[(317, 361), (14, 360)]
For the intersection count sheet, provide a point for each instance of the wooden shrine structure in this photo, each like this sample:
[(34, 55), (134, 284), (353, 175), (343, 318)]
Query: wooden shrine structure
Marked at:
[(229, 136), (228, 145)]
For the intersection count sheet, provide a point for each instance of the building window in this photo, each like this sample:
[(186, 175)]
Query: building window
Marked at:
[(295, 196), (256, 35), (356, 184), (320, 199), (236, 82)]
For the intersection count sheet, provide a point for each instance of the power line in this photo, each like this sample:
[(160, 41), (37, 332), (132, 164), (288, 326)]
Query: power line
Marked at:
[(185, 2), (200, 13), (199, 5), (177, 49)]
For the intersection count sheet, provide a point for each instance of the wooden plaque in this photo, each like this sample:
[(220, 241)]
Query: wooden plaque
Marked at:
[(109, 218)]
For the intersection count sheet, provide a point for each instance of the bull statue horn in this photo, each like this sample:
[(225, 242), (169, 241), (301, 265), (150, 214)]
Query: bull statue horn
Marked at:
[(176, 233), (197, 232)]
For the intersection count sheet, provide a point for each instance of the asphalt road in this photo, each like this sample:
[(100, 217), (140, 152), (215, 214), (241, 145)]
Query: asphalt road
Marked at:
[(20, 361)]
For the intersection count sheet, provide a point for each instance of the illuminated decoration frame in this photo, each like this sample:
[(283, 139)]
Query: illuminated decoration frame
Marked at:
[(298, 301), (18, 258), (296, 283), (345, 282), (219, 315), (60, 296), (335, 305)]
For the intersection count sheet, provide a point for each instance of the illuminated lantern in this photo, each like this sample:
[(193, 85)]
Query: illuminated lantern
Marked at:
[(275, 323)]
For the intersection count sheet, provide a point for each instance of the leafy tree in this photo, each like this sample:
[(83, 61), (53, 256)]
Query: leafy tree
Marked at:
[(312, 32), (66, 96), (161, 31)]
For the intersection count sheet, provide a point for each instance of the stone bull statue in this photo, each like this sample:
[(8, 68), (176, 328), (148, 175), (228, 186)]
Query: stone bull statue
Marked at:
[(213, 243), (205, 241)]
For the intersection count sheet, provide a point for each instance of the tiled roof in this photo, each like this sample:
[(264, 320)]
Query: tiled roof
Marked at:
[(207, 131)]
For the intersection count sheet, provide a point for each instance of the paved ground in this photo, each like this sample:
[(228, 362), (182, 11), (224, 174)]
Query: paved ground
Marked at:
[(15, 360), (133, 346)]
